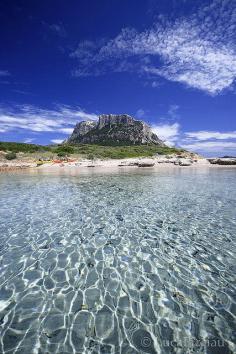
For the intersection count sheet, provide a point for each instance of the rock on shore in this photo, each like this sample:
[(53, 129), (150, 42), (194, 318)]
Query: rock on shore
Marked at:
[(15, 166), (154, 161), (223, 161)]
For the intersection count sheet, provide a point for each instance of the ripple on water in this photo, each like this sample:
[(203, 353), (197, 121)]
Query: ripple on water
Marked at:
[(126, 263)]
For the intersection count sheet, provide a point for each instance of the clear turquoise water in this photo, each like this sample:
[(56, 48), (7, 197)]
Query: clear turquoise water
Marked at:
[(139, 262)]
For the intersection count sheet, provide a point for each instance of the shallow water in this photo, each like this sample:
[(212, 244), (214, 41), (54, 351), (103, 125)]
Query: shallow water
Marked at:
[(139, 262)]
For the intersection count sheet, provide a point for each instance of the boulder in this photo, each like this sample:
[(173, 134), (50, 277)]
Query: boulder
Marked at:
[(223, 161), (185, 162), (128, 163), (146, 163)]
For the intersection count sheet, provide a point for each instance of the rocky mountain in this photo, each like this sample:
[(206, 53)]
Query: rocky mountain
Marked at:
[(113, 129)]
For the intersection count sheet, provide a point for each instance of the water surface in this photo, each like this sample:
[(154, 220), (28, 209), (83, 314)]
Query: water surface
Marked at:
[(129, 262)]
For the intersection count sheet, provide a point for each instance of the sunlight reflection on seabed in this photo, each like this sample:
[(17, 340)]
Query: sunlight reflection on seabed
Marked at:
[(118, 263)]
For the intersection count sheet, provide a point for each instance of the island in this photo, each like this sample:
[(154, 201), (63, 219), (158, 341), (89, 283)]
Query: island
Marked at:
[(114, 140)]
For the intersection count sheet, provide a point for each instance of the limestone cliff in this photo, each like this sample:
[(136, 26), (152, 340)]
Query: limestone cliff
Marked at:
[(112, 129)]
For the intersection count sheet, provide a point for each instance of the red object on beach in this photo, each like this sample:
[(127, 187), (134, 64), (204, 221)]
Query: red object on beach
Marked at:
[(62, 161)]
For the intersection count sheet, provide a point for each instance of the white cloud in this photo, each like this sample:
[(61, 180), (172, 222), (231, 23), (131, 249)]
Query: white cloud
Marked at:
[(210, 146), (169, 133), (204, 142), (155, 84), (66, 130), (206, 135), (140, 113), (173, 111), (198, 51), (210, 141), (62, 119), (4, 73), (58, 29), (57, 141), (29, 140)]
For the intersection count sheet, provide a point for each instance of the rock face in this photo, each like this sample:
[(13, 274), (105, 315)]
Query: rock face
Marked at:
[(223, 161), (112, 129)]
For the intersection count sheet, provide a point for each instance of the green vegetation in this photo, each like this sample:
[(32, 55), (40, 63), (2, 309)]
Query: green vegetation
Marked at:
[(62, 154), (91, 157), (120, 152), (63, 150), (10, 156), (22, 147), (90, 151)]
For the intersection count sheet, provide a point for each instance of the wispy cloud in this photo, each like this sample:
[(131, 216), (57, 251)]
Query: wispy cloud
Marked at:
[(58, 29), (211, 146), (198, 51), (155, 84), (31, 118), (22, 92), (66, 130), (173, 111), (210, 141), (206, 135), (29, 140), (203, 142), (4, 73), (3, 130), (140, 113), (57, 141), (169, 133)]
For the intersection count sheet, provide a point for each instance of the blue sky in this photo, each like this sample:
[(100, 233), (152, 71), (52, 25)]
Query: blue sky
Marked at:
[(171, 63)]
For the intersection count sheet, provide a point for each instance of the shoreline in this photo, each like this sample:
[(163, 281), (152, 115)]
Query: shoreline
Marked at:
[(109, 164)]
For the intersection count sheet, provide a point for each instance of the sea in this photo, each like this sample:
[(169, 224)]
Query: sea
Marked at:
[(136, 260)]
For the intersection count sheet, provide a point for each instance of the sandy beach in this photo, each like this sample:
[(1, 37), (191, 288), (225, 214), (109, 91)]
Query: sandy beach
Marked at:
[(108, 164)]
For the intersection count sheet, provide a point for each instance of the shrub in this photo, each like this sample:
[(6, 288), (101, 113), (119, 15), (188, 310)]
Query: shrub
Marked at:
[(62, 154), (21, 147), (10, 156), (64, 149), (91, 156)]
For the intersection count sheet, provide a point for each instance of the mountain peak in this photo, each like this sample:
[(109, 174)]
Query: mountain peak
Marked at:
[(114, 129)]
